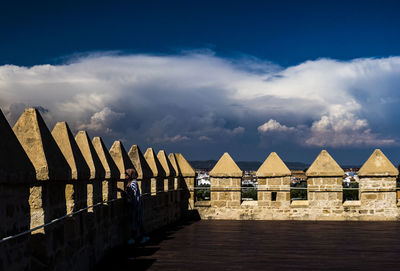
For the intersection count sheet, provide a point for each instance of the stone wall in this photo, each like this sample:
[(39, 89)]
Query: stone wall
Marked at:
[(377, 192), (74, 186)]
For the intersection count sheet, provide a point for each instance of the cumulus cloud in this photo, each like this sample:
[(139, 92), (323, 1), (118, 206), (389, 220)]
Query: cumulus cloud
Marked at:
[(272, 126), (101, 120), (199, 97)]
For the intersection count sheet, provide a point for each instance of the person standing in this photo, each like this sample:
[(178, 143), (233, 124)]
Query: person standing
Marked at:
[(136, 208)]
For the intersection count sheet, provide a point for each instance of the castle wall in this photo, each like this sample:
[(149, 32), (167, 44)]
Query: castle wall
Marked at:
[(54, 179), (377, 192)]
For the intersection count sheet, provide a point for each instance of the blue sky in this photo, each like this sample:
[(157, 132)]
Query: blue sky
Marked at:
[(204, 77)]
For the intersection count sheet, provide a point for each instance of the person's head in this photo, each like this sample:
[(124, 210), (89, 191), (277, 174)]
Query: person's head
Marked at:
[(131, 174)]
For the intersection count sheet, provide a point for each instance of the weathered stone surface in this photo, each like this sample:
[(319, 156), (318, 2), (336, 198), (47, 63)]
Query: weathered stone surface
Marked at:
[(40, 146), (89, 153), (142, 167), (184, 167), (111, 169), (15, 165), (324, 165), (154, 163), (166, 164), (273, 166), (121, 158), (66, 142), (226, 167), (174, 163), (378, 165)]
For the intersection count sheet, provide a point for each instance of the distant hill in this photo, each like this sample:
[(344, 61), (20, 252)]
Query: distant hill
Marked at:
[(245, 165)]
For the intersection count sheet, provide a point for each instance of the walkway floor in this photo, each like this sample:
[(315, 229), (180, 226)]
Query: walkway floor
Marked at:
[(265, 245)]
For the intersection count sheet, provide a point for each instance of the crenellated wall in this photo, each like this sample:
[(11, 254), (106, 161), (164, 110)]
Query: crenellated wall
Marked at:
[(74, 186), (377, 192)]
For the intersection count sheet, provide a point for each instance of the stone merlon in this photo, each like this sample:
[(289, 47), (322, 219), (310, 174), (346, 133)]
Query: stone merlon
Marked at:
[(121, 158), (174, 163), (378, 165), (184, 166), (273, 166), (226, 167), (166, 164), (111, 169), (324, 165), (155, 165), (15, 165), (67, 144), (89, 153), (40, 146), (142, 167)]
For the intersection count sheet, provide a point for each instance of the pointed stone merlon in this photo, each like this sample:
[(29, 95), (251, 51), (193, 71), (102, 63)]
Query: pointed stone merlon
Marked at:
[(377, 184), (143, 169), (273, 166), (226, 178), (226, 167), (185, 168), (16, 175), (169, 170), (324, 182), (187, 177), (89, 153), (67, 144), (173, 160), (40, 146), (157, 182), (178, 174), (154, 163), (97, 172), (378, 165), (121, 158), (274, 176), (166, 164), (111, 170), (324, 165), (15, 166), (79, 168), (49, 163)]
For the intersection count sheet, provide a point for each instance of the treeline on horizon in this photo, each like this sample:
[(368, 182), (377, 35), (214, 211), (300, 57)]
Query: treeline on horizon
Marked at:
[(254, 165)]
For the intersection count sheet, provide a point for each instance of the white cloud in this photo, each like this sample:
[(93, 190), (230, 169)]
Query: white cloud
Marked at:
[(101, 120), (177, 98), (272, 126)]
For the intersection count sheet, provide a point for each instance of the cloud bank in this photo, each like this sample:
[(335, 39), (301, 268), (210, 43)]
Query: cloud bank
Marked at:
[(199, 98)]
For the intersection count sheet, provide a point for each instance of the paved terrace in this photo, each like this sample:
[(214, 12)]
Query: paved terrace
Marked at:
[(264, 245)]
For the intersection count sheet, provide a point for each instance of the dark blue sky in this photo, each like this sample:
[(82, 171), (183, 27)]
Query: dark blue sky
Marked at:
[(205, 77), (285, 32)]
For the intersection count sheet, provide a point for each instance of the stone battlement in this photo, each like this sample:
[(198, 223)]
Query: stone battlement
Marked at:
[(62, 197), (65, 194), (377, 192)]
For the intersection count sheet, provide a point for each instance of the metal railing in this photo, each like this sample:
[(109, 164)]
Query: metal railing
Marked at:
[(76, 212)]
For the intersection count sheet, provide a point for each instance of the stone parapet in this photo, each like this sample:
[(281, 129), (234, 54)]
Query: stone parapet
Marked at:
[(377, 190), (48, 184)]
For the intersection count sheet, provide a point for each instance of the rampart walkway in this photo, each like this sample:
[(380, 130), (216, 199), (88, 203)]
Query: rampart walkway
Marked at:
[(265, 245)]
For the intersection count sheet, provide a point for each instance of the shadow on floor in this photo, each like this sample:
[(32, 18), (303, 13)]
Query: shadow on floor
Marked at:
[(128, 257)]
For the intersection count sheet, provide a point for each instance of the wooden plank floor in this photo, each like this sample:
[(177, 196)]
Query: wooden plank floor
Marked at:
[(265, 245)]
